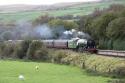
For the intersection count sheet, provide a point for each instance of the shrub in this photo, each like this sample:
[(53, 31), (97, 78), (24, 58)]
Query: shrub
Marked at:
[(116, 81), (76, 59), (41, 54), (7, 49), (119, 71), (21, 49), (59, 55), (2, 46), (106, 65), (36, 50)]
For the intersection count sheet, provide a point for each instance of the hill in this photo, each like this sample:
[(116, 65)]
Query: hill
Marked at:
[(30, 12)]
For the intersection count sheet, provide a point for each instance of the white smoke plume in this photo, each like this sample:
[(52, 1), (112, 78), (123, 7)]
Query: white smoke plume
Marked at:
[(25, 30), (74, 34)]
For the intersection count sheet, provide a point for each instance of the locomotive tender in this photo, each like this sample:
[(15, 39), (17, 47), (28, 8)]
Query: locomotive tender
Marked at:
[(75, 44)]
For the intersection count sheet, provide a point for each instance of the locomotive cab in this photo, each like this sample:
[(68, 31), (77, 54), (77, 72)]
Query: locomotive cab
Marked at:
[(91, 46)]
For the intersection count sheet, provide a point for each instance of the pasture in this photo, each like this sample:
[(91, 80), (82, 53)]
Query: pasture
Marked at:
[(83, 9), (46, 73)]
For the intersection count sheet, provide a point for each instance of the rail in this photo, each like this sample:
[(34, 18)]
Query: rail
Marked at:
[(113, 53)]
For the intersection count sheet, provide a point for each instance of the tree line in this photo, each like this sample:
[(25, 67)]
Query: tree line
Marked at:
[(106, 26)]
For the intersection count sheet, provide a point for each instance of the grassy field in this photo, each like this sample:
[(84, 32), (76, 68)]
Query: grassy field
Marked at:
[(83, 9), (47, 73)]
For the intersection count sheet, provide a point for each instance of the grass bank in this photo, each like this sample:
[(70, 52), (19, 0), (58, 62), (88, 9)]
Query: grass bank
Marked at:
[(47, 73)]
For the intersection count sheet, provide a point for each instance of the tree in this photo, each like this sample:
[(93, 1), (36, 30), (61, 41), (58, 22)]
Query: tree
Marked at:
[(70, 25), (66, 24), (55, 22), (101, 23), (116, 29), (42, 19), (84, 24), (22, 48), (37, 50)]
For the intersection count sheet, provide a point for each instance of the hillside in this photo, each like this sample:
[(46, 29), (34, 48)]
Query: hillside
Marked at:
[(30, 12), (23, 7)]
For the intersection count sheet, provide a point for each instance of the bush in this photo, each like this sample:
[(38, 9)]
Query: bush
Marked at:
[(36, 50), (119, 71), (76, 59), (21, 49), (58, 56), (41, 54), (70, 58), (117, 81), (7, 49), (106, 65), (2, 46)]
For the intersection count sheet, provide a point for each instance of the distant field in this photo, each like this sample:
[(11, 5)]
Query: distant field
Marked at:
[(47, 73), (83, 9)]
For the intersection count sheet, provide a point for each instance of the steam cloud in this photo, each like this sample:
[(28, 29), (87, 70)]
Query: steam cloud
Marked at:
[(25, 30)]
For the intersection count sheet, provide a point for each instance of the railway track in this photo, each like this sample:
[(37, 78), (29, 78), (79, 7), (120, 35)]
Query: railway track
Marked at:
[(112, 53)]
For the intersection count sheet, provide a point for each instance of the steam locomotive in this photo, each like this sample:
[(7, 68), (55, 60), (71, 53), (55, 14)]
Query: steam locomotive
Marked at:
[(77, 44)]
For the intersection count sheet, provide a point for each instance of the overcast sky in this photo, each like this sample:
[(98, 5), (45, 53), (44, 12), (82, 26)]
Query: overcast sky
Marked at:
[(36, 2)]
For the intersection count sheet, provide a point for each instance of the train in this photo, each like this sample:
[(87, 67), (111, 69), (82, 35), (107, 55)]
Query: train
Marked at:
[(77, 44)]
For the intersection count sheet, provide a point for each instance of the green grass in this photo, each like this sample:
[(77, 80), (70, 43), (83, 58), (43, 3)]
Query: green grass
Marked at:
[(47, 73), (8, 17), (83, 9)]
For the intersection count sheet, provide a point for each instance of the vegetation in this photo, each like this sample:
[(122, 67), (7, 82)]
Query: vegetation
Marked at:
[(83, 9), (106, 27), (47, 73), (68, 25), (117, 81), (21, 49), (35, 50), (107, 66), (90, 64)]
